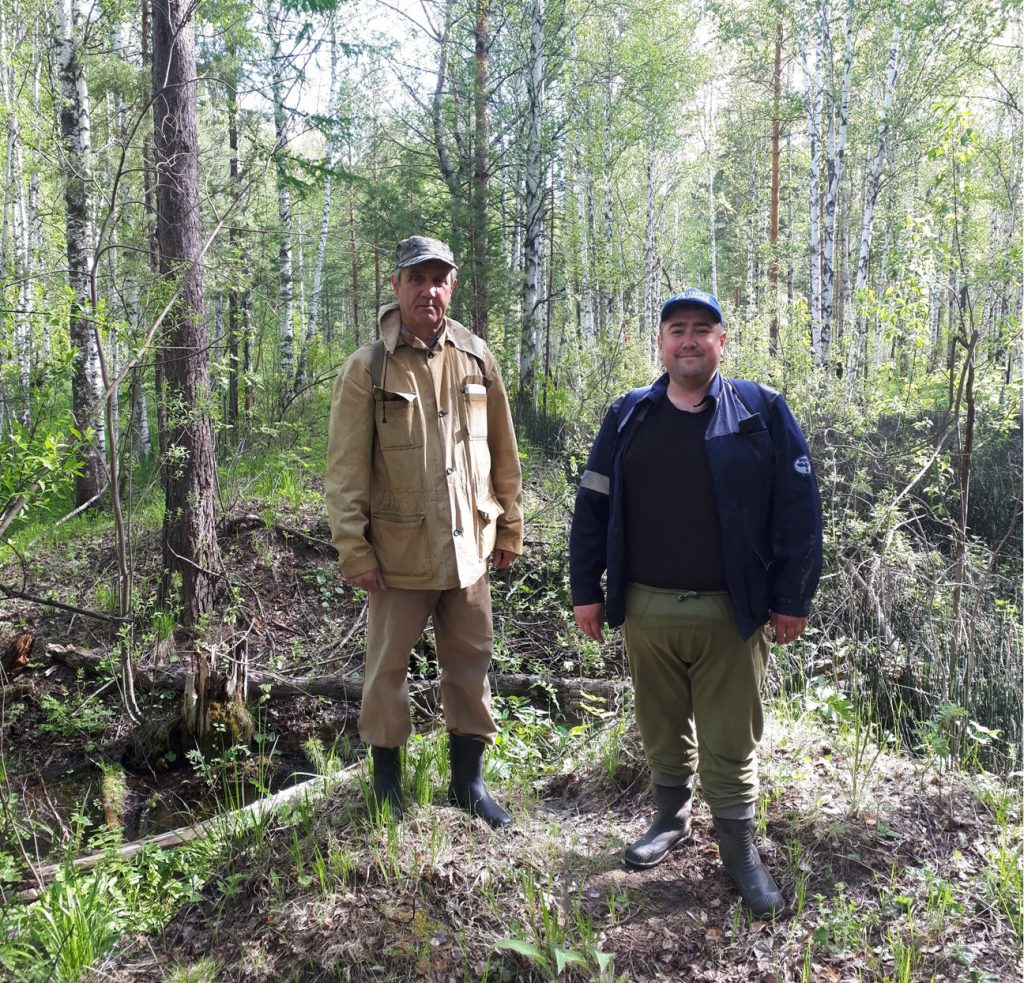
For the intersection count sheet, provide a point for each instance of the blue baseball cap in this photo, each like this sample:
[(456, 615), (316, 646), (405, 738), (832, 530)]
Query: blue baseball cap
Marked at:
[(693, 296)]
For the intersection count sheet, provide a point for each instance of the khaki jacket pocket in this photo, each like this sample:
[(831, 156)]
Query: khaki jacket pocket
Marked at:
[(397, 420), (400, 544), (475, 398), (487, 527)]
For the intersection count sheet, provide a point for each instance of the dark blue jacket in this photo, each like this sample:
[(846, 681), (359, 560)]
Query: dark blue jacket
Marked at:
[(766, 494)]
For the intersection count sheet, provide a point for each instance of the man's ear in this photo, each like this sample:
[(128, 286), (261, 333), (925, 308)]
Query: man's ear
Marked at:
[(394, 284)]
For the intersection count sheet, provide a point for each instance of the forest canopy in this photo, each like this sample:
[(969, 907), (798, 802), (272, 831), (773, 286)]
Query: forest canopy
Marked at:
[(200, 207)]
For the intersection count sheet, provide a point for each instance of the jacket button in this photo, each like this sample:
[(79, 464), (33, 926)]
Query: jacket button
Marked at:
[(449, 470), (456, 532)]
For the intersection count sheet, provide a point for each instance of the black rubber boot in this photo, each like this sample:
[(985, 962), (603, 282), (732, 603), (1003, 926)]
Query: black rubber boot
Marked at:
[(467, 788), (671, 824), (387, 779), (743, 864)]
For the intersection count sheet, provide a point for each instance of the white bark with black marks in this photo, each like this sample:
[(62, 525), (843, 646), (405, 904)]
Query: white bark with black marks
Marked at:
[(814, 101), (286, 286), (533, 240), (835, 176), (76, 142), (870, 201)]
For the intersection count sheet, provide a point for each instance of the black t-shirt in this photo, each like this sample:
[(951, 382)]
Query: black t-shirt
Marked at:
[(673, 537)]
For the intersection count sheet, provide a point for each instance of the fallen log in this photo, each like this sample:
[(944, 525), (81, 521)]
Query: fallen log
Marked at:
[(572, 695), (227, 824)]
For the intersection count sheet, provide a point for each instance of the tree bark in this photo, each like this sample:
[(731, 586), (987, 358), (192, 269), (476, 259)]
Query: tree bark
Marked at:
[(18, 269), (835, 176), (448, 171), (190, 552), (330, 162), (859, 347), (609, 275), (77, 145), (235, 313), (814, 108), (649, 315), (533, 242), (480, 233), (353, 255), (773, 208), (286, 286)]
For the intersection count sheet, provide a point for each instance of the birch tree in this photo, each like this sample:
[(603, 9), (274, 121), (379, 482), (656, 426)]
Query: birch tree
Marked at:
[(330, 162), (837, 153), (773, 207), (814, 99), (533, 242), (286, 286), (874, 184), (480, 189), (18, 216), (76, 142)]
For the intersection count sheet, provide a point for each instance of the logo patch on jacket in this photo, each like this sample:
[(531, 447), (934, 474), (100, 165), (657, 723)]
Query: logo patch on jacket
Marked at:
[(802, 465)]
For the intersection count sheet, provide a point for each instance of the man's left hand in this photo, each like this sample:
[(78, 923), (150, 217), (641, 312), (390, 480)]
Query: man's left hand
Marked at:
[(787, 628), (503, 559)]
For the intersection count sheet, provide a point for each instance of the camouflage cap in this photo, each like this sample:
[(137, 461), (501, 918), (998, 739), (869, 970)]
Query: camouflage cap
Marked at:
[(420, 249)]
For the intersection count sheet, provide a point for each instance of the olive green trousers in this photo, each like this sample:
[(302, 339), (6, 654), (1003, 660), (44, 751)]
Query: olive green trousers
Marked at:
[(697, 688)]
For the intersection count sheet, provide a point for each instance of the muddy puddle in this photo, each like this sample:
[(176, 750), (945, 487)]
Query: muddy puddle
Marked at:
[(84, 795)]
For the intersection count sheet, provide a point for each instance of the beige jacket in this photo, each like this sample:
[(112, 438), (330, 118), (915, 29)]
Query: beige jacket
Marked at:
[(423, 477)]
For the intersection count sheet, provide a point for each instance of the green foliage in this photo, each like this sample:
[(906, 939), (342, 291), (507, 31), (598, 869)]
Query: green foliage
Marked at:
[(563, 939), (81, 913), (69, 717)]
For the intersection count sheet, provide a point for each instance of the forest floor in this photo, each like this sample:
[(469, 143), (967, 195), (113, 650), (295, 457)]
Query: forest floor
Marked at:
[(893, 867)]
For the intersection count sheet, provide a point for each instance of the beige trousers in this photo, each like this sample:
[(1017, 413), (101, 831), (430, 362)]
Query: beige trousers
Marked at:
[(463, 633)]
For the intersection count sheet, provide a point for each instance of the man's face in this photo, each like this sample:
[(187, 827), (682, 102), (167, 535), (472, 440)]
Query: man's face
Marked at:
[(690, 344), (423, 293)]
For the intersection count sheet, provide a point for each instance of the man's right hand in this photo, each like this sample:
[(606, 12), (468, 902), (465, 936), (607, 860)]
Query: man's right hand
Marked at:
[(371, 581), (590, 618)]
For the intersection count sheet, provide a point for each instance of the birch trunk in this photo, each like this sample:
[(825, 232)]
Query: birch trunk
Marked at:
[(874, 185), (609, 230), (77, 146), (479, 235), (17, 270), (712, 217), (649, 316), (286, 286), (773, 207), (353, 255), (235, 238), (587, 325), (835, 176), (814, 109), (448, 171), (533, 239), (141, 439), (35, 215), (330, 162)]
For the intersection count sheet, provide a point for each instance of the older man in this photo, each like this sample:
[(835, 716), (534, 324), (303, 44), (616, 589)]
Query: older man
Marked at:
[(700, 502), (423, 487)]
